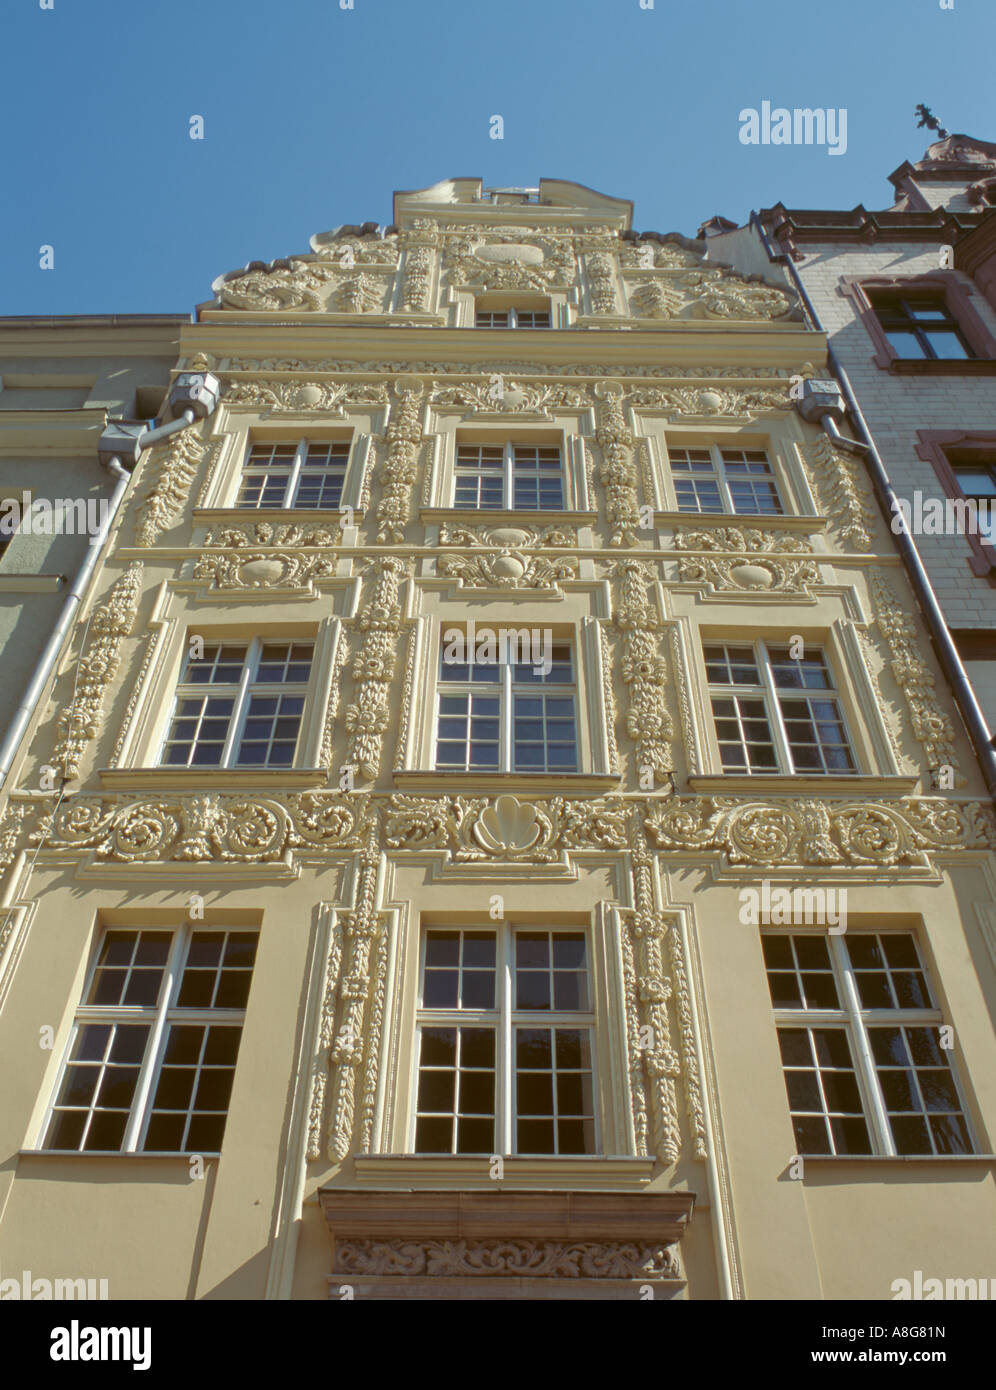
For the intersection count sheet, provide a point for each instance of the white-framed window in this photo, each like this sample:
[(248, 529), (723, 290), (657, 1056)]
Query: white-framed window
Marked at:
[(307, 474), (509, 477), (498, 712), (512, 317), (152, 1053), (239, 704), (862, 1045), (506, 1046), (776, 713), (714, 479)]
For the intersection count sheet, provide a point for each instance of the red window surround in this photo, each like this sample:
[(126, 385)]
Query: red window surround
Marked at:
[(946, 450), (957, 298)]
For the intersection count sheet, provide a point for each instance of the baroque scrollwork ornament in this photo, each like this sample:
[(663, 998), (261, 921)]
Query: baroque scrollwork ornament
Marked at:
[(174, 466), (263, 570), (744, 560), (841, 492), (110, 624), (553, 1259), (297, 285), (362, 928), (653, 957), (931, 726), (618, 470), (368, 716), (807, 831), (644, 670), (403, 437), (329, 397), (508, 569), (222, 827)]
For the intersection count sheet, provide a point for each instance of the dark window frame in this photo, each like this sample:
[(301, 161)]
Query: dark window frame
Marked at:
[(946, 450), (956, 295)]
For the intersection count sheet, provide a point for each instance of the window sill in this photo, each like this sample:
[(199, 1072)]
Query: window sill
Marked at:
[(220, 778), (807, 525), (496, 782), (105, 1154), (959, 366), (932, 1160), (723, 783), (553, 1172), (274, 516), (471, 516)]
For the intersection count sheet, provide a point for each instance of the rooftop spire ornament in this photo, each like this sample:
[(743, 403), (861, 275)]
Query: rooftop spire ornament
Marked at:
[(928, 119)]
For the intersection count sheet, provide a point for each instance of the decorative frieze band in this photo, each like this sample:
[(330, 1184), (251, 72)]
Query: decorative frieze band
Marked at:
[(808, 831), (519, 1259), (249, 827), (202, 826), (739, 559)]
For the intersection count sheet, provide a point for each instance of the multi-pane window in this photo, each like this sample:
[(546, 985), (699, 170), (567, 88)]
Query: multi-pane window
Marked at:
[(506, 1043), (978, 483), (919, 324), (775, 712), (151, 1058), (510, 477), (863, 1046), (710, 479), (306, 474), (512, 318), (239, 704), (511, 711)]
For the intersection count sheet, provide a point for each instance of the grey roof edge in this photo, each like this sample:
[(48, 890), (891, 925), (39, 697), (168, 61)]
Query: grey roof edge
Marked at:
[(94, 320)]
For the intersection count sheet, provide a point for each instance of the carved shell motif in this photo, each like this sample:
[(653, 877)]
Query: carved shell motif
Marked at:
[(508, 827)]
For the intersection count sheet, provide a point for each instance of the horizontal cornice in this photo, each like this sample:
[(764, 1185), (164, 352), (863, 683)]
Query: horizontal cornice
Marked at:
[(52, 432), (685, 344), (220, 779), (545, 1215), (825, 224), (113, 336)]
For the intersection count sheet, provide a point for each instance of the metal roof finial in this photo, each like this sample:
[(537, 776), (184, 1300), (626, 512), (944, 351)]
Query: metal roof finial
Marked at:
[(928, 119)]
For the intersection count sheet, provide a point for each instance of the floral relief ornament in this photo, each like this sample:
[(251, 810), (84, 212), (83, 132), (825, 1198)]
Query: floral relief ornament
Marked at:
[(130, 828), (218, 826), (326, 396), (296, 285), (507, 569), (263, 570), (110, 624), (510, 1258), (749, 568), (807, 831)]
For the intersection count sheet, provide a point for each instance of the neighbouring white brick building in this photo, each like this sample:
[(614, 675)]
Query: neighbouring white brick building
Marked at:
[(907, 298)]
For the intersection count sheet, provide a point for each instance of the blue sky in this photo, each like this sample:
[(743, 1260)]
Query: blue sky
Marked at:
[(314, 115)]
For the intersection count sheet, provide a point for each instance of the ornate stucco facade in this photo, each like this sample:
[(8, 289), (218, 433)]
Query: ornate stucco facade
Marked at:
[(692, 513)]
